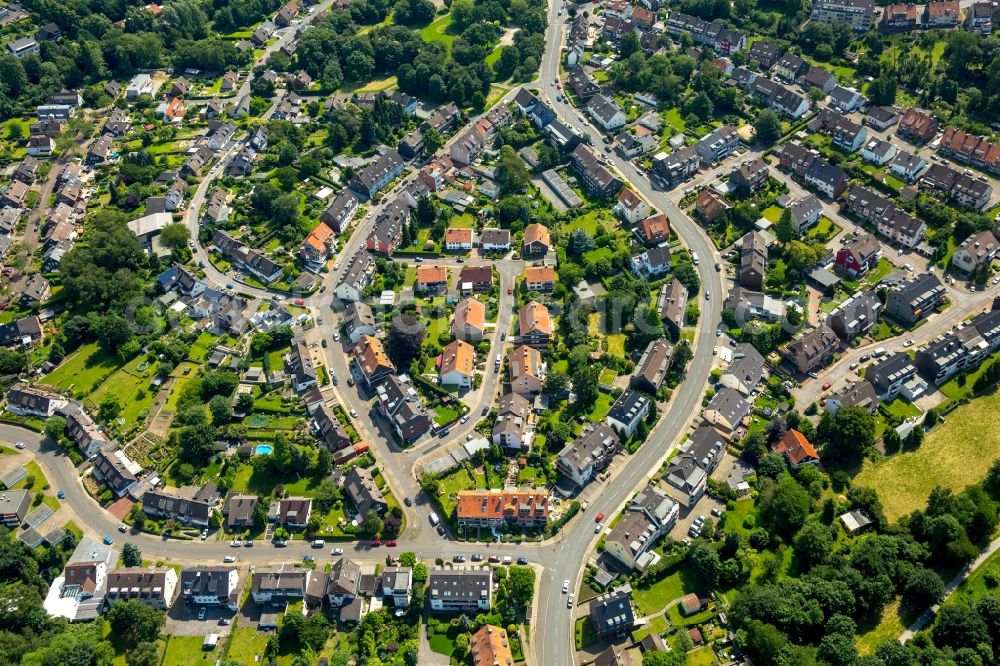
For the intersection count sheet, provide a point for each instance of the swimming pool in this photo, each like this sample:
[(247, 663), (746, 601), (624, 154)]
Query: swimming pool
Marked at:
[(263, 449)]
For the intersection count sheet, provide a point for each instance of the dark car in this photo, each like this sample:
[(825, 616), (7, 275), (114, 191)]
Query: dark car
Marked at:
[(522, 560), (441, 530), (408, 502), (325, 343), (443, 433)]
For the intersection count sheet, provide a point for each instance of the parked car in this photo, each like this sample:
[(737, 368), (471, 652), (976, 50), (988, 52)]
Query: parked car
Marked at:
[(458, 558), (61, 494), (123, 528), (376, 543), (204, 534), (522, 560), (108, 541), (599, 517), (19, 445), (408, 502), (229, 559), (476, 557), (308, 558), (566, 586), (569, 601), (337, 551), (235, 544)]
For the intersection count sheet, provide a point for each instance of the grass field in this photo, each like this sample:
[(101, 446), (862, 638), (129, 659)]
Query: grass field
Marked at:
[(246, 645), (673, 117), (438, 32), (772, 214), (655, 598), (82, 369), (132, 388), (657, 625), (703, 656), (601, 407), (616, 344), (905, 480), (890, 626), (976, 585), (186, 651), (584, 632)]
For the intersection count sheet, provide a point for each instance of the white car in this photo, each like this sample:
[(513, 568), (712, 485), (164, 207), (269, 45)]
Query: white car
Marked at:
[(569, 601), (229, 558), (235, 544), (354, 412), (597, 528), (19, 445), (566, 586), (337, 551)]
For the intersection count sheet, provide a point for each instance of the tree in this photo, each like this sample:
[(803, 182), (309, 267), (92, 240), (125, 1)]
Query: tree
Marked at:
[(767, 126), (556, 383), (135, 622), (196, 443), (852, 432), (705, 563), (244, 403), (785, 230), (55, 426), (786, 505), (175, 236), (579, 242), (586, 385), (958, 625), (220, 409), (131, 555), (373, 523), (110, 407), (882, 90), (406, 334), (432, 141), (144, 654), (512, 172), (923, 589), (425, 213), (813, 543)]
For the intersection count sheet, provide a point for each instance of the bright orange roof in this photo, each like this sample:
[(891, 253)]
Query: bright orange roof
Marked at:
[(537, 232), (795, 445), (496, 504), (370, 355), (431, 274), (319, 236), (490, 646), (534, 274), (470, 311), (535, 317), (524, 361), (458, 235), (458, 355)]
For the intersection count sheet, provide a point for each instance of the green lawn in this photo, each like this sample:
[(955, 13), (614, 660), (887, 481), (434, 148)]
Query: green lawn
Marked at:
[(180, 380), (607, 376), (616, 344), (186, 651), (653, 599), (905, 480), (703, 656), (438, 32), (132, 386), (890, 626), (976, 585), (772, 214), (881, 270), (246, 645), (82, 370), (902, 409), (673, 117), (601, 407), (585, 634), (824, 229), (657, 625)]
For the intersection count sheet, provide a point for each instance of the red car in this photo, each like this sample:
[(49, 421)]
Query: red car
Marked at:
[(376, 543), (510, 290), (826, 385), (391, 543), (599, 518)]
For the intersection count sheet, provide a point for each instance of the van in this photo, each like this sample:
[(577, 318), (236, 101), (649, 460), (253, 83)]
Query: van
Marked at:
[(318, 543), (433, 518), (694, 258), (878, 352)]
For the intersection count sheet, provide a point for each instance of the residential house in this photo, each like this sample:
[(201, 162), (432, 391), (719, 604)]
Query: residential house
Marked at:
[(22, 47), (714, 34), (611, 614), (856, 13), (916, 298), (812, 350), (210, 586), (526, 371), (495, 240), (726, 412), (630, 207), (829, 180), (652, 370), (750, 175), (222, 135), (855, 394), (846, 100), (364, 492), (477, 279), (688, 471), (493, 509), (881, 118), (654, 229), (963, 349), (790, 67), (490, 646), (805, 213), (340, 212), (879, 152), (976, 251), (856, 315), (249, 259), (460, 589), (917, 126), (859, 256), (907, 166), (796, 158), (710, 207), (895, 375), (469, 322), (23, 331), (580, 460), (371, 179), (458, 239), (583, 85), (979, 18), (397, 583), (154, 587), (796, 448), (194, 510), (279, 586), (356, 277), (718, 145), (627, 412), (671, 304), (387, 234), (753, 260), (25, 400), (651, 263), (535, 324), (678, 166), (467, 148), (317, 248), (745, 371), (540, 278), (300, 367), (635, 144), (457, 364), (433, 279), (371, 360), (83, 432), (536, 240), (14, 506), (597, 179), (650, 516), (329, 430), (400, 403), (33, 290), (765, 53), (511, 428), (818, 77), (900, 18), (292, 512)]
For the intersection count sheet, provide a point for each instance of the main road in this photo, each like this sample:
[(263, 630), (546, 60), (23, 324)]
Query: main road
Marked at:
[(554, 636)]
